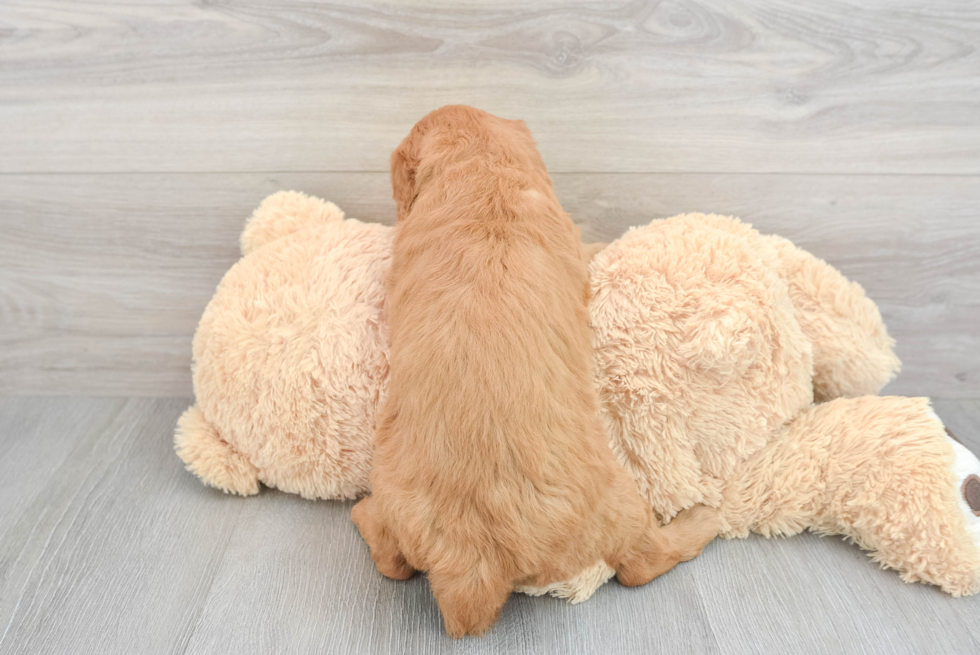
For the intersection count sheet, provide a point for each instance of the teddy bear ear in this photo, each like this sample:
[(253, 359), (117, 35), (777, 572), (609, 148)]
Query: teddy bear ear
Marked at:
[(286, 212), (404, 166)]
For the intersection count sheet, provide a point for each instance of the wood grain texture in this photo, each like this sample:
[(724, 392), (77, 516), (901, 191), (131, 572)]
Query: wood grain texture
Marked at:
[(852, 86), (136, 137), (115, 552), (107, 545), (104, 277)]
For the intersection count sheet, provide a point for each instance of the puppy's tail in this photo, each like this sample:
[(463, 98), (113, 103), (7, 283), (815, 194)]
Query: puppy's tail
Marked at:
[(211, 458), (470, 599)]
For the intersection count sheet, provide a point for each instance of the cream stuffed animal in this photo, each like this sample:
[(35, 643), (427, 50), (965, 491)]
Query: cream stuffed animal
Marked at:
[(734, 370)]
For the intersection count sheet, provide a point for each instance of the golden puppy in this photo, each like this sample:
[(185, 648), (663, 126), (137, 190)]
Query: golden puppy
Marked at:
[(491, 467)]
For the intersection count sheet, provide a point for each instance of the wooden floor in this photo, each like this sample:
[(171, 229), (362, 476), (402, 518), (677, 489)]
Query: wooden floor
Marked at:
[(137, 136), (108, 546)]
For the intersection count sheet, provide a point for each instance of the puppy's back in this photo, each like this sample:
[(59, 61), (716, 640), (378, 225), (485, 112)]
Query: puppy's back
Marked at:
[(491, 468), (491, 429)]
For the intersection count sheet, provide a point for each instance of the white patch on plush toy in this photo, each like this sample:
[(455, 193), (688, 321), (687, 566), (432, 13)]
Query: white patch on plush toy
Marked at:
[(965, 465), (578, 589)]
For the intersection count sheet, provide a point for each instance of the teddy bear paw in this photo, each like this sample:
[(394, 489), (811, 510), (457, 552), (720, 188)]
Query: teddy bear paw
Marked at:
[(966, 469)]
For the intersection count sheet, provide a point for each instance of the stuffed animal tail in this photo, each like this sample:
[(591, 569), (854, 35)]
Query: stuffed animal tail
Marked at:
[(211, 458)]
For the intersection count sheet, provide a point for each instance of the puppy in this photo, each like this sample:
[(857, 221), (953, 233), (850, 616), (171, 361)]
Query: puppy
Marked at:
[(491, 466)]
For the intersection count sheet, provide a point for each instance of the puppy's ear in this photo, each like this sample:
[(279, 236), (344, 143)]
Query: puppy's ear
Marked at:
[(404, 166), (590, 250)]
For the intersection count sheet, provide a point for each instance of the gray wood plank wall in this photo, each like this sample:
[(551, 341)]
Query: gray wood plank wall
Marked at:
[(136, 137)]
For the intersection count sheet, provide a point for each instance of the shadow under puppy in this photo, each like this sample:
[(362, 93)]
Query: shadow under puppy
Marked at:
[(491, 467)]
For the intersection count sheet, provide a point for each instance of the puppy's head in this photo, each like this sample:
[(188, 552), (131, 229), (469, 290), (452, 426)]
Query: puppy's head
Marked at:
[(451, 134)]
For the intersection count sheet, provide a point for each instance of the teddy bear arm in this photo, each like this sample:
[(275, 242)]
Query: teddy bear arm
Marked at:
[(852, 352)]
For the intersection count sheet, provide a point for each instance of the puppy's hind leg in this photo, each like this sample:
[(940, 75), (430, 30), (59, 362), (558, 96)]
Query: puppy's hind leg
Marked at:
[(650, 555), (470, 599), (692, 530), (384, 549), (658, 550)]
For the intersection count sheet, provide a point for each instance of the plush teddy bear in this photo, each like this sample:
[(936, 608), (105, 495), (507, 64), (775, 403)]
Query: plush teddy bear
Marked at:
[(734, 370)]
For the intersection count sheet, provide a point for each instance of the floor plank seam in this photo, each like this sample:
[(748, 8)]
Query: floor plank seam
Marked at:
[(212, 578)]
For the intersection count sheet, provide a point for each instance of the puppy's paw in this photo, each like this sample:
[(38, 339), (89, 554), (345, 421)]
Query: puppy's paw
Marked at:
[(693, 529), (384, 549)]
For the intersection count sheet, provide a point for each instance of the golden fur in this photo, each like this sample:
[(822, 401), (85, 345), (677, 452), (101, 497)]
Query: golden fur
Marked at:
[(491, 466)]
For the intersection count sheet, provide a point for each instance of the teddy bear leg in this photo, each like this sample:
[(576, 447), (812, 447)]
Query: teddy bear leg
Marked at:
[(878, 470), (211, 458), (943, 542), (966, 483), (384, 549)]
